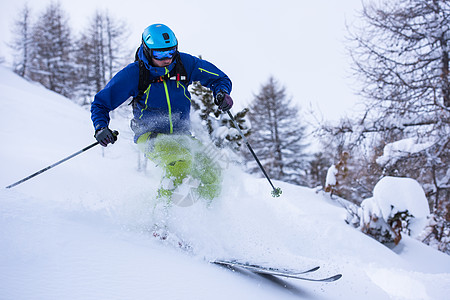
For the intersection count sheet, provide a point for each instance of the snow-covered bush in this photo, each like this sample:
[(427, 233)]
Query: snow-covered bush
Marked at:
[(437, 233), (398, 206), (401, 149)]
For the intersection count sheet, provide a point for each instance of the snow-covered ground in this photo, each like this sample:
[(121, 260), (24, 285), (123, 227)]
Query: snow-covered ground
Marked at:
[(83, 230)]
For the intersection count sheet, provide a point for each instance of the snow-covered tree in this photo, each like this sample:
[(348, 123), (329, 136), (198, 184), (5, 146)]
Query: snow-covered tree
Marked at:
[(400, 51), (278, 135), (52, 63), (100, 53), (203, 104), (317, 169), (437, 233), (117, 34), (22, 43), (220, 128), (401, 56)]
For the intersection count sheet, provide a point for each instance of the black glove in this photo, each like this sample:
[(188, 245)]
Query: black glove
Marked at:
[(223, 101), (105, 136)]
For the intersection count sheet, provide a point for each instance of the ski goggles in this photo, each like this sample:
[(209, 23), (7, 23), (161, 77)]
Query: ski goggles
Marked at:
[(160, 54)]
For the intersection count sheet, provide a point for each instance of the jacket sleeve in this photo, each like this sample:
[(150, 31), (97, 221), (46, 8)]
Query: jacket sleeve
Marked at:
[(121, 87), (206, 73)]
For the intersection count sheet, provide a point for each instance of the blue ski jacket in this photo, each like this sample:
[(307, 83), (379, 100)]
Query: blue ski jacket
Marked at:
[(165, 105)]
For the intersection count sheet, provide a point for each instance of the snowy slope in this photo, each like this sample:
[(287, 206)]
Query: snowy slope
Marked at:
[(83, 230)]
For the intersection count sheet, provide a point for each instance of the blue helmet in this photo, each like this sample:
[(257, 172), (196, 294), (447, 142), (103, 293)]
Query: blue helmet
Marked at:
[(158, 36)]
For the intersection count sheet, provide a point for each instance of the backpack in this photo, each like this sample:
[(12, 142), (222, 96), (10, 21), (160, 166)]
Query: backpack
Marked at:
[(178, 73)]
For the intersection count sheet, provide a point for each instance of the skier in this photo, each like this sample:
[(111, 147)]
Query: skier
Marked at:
[(158, 82)]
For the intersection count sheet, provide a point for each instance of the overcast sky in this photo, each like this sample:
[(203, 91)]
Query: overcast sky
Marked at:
[(299, 42)]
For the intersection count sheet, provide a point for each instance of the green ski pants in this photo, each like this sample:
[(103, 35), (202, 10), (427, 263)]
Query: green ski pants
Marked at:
[(182, 158)]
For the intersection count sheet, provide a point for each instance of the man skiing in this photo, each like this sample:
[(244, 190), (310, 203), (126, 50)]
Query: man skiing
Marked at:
[(158, 82)]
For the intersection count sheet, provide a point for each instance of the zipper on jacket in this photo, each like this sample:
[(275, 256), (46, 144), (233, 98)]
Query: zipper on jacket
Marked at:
[(203, 70), (169, 106)]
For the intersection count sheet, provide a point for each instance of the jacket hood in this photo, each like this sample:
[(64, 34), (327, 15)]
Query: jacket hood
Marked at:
[(154, 71)]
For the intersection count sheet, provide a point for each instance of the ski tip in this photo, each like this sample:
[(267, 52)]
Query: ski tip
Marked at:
[(311, 270), (333, 278)]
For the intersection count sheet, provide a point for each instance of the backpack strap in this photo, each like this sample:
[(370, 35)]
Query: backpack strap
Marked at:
[(180, 70), (144, 79)]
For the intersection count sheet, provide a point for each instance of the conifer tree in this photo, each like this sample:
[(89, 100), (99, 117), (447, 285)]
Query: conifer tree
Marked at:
[(52, 65), (22, 43), (203, 103), (221, 129), (278, 134), (100, 54), (317, 169)]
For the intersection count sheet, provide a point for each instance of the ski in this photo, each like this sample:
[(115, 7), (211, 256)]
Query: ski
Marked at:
[(254, 267), (276, 271)]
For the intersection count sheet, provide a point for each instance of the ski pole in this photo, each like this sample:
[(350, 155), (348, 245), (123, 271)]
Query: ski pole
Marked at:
[(51, 166), (276, 191)]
